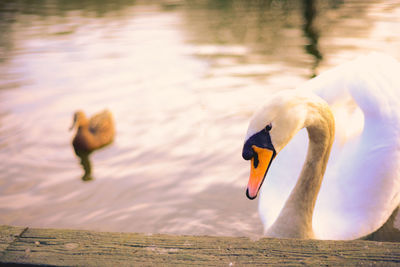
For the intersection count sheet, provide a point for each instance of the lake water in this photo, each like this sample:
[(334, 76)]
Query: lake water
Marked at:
[(181, 78)]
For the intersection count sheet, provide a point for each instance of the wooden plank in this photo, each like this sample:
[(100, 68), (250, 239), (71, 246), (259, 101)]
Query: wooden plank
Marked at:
[(88, 248), (8, 234)]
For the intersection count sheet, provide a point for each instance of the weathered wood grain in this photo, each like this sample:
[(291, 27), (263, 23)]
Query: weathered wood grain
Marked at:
[(88, 248), (8, 234)]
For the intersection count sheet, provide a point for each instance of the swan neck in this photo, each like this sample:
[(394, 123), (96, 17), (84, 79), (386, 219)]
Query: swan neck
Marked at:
[(295, 219)]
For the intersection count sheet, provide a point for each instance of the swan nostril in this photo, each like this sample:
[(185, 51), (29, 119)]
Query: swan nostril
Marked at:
[(255, 161)]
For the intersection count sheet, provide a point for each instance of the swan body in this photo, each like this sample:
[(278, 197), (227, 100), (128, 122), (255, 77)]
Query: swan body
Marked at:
[(347, 185)]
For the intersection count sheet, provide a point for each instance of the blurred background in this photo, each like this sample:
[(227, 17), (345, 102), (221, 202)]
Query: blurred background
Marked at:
[(181, 78)]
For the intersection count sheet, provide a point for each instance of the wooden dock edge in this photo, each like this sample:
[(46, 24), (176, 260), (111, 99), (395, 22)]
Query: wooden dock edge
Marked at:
[(58, 247)]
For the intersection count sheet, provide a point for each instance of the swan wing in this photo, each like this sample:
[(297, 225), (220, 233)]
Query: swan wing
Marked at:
[(361, 186)]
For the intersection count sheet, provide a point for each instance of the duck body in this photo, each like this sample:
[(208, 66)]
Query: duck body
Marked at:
[(93, 133), (344, 188)]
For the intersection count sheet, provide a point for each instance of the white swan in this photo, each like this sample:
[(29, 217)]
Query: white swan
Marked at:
[(360, 164)]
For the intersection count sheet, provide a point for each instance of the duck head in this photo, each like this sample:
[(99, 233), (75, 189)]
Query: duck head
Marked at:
[(79, 119)]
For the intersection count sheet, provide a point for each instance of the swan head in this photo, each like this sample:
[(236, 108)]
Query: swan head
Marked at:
[(270, 129)]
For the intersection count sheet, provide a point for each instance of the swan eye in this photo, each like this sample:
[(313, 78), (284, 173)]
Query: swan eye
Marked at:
[(268, 127)]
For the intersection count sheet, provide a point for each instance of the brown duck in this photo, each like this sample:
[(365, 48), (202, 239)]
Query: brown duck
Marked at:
[(91, 134)]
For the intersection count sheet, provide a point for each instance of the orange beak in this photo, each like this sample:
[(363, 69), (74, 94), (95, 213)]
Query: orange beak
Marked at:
[(258, 170)]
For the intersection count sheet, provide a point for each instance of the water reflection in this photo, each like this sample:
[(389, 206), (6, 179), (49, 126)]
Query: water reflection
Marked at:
[(311, 32), (86, 165)]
